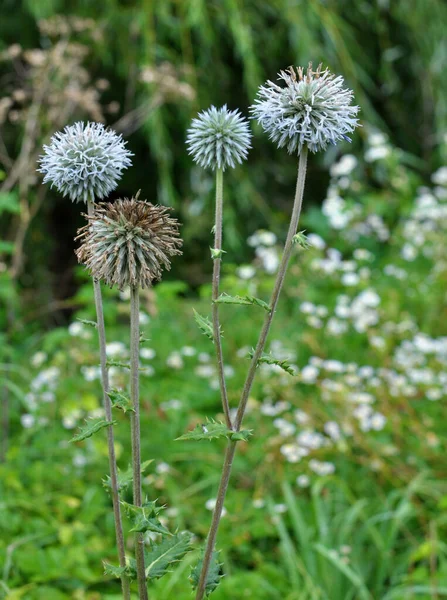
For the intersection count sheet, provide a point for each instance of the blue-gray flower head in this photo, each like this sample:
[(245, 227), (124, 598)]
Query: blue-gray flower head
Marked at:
[(313, 109), (85, 161), (219, 138)]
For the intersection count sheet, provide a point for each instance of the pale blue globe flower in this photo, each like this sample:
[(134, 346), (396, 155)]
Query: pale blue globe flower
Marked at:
[(313, 109), (85, 161), (219, 138)]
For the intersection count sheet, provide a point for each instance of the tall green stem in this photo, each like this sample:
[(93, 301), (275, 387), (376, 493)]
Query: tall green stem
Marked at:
[(215, 295), (231, 446), (125, 584), (135, 431)]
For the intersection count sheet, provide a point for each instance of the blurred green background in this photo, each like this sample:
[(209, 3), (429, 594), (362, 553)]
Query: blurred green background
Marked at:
[(341, 494)]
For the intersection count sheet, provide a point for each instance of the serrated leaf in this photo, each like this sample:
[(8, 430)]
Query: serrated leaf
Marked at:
[(125, 478), (149, 509), (213, 577), (204, 325), (244, 300), (114, 571), (213, 430), (88, 323), (270, 360), (169, 551), (120, 400), (92, 427), (143, 524), (241, 436), (121, 365), (301, 239)]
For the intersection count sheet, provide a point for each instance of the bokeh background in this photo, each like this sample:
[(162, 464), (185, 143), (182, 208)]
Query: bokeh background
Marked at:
[(341, 493)]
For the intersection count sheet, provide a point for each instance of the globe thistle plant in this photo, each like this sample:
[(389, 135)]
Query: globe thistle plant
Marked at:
[(313, 109), (309, 112), (129, 242), (219, 138), (85, 161)]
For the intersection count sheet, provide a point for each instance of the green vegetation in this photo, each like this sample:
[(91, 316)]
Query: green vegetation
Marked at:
[(339, 488)]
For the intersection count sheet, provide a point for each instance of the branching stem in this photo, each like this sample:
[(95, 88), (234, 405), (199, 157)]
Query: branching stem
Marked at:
[(231, 446), (125, 584)]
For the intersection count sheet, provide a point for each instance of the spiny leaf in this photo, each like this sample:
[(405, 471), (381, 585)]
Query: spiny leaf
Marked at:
[(88, 323), (120, 400), (301, 239), (143, 524), (115, 571), (213, 577), (121, 365), (125, 478), (149, 509), (117, 363), (161, 556), (92, 427), (244, 300), (204, 325), (217, 253), (270, 360), (213, 430)]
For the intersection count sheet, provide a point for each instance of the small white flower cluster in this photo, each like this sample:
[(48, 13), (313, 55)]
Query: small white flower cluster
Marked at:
[(85, 161)]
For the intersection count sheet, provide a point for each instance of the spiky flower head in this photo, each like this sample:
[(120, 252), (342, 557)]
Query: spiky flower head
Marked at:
[(85, 161), (313, 109), (129, 242), (219, 138)]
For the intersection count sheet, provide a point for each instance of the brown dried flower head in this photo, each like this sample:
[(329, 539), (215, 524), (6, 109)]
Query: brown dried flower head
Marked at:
[(129, 242)]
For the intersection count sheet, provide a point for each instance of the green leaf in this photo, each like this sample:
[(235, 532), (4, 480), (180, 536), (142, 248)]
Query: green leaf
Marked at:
[(6, 247), (214, 430), (213, 577), (92, 427), (125, 478), (120, 400), (244, 300), (115, 571), (161, 556), (217, 253), (88, 323), (204, 325), (121, 365), (9, 202), (270, 360), (143, 524), (149, 509), (301, 239)]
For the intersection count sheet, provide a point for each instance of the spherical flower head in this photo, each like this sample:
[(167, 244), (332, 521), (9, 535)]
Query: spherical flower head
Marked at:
[(129, 242), (313, 109), (219, 138), (85, 161)]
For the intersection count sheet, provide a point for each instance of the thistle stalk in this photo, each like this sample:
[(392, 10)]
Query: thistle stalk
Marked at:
[(125, 584), (231, 446), (215, 295), (135, 432)]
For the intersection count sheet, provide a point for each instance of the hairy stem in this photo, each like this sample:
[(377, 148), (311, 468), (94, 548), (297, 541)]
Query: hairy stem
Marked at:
[(135, 431), (231, 446), (215, 295), (125, 584)]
